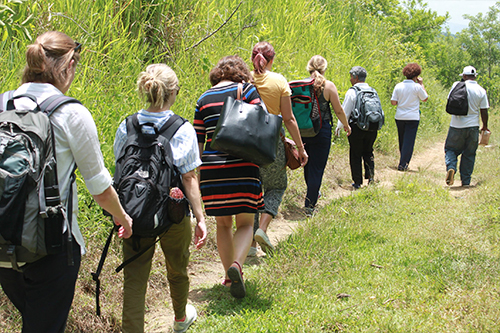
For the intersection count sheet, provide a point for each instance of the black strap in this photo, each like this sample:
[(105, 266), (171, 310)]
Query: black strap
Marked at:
[(95, 276)]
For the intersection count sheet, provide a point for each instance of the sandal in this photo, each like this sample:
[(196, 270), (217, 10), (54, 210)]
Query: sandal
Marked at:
[(226, 283), (235, 274)]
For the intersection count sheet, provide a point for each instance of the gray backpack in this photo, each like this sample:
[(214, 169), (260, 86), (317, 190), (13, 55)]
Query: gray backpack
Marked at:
[(367, 113), (32, 216)]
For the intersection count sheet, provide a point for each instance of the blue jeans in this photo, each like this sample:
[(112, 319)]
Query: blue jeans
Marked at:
[(318, 148), (462, 141), (407, 133)]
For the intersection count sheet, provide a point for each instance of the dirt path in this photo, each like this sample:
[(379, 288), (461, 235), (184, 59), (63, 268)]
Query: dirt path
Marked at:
[(429, 162)]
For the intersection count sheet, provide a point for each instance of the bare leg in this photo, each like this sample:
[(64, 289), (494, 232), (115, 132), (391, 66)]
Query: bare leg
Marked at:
[(243, 236), (234, 247), (265, 219)]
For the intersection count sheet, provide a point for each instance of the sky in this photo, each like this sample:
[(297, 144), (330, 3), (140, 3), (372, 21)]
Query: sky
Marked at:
[(457, 8)]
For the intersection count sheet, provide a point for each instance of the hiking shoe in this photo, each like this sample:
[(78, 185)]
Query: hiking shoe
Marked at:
[(182, 326), (235, 274), (310, 211), (450, 175), (252, 252), (264, 242)]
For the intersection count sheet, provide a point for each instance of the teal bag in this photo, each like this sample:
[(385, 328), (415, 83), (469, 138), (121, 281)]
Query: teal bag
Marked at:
[(305, 107)]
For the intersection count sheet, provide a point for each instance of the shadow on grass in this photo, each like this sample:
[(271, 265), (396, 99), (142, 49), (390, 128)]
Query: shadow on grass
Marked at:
[(220, 302)]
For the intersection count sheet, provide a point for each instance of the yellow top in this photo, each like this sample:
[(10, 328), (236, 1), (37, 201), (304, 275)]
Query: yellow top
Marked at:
[(271, 87)]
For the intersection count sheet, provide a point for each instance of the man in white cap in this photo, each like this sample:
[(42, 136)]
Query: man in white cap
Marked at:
[(463, 134)]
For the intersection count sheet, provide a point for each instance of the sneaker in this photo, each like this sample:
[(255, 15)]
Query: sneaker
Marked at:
[(356, 186), (403, 168), (182, 326), (309, 211), (371, 181), (450, 175), (252, 252), (264, 242)]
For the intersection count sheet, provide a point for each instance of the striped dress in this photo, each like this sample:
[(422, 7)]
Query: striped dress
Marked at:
[(229, 185)]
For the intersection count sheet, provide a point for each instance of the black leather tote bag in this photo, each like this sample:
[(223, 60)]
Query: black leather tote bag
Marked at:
[(247, 131)]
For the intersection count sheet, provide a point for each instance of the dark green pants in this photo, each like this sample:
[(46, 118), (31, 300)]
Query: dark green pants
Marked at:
[(175, 247)]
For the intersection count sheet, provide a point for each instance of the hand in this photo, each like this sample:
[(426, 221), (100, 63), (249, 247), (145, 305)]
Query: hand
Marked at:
[(419, 80), (125, 230), (303, 157), (200, 234), (348, 130)]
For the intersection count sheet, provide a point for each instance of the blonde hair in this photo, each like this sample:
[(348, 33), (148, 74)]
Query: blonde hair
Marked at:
[(48, 57), (156, 83), (315, 66)]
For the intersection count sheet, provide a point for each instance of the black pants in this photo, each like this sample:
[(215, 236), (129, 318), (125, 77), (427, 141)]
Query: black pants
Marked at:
[(407, 133), (43, 291), (361, 152)]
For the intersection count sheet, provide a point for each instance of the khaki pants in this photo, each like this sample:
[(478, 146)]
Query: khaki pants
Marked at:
[(175, 247)]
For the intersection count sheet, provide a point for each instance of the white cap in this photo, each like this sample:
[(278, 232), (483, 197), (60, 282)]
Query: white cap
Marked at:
[(469, 70)]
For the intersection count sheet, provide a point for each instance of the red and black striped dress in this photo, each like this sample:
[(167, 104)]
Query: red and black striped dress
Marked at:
[(228, 184)]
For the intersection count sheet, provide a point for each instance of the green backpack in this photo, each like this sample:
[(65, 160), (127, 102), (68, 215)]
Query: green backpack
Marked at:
[(305, 107)]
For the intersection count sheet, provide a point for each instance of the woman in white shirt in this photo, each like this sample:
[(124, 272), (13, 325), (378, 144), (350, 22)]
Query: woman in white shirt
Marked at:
[(43, 291), (407, 96)]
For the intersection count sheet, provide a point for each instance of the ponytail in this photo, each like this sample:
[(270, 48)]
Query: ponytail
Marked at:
[(156, 84), (262, 54), (315, 66), (48, 57)]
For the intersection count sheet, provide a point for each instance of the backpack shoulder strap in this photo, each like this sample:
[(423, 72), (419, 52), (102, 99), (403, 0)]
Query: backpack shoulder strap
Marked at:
[(171, 126), (4, 98), (53, 102)]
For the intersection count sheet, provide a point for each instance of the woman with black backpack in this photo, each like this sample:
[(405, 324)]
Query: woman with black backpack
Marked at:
[(159, 85)]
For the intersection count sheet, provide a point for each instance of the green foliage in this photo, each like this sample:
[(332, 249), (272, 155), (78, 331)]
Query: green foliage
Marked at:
[(15, 21)]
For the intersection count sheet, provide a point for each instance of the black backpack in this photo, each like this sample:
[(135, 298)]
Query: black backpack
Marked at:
[(458, 102), (367, 113), (144, 177), (32, 216)]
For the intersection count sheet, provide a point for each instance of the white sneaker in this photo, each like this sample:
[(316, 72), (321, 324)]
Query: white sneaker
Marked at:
[(252, 252), (182, 326)]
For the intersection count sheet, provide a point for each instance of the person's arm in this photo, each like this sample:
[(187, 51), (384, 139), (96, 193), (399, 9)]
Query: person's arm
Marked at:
[(292, 127), (109, 201), (484, 119), (192, 189), (332, 95), (420, 81)]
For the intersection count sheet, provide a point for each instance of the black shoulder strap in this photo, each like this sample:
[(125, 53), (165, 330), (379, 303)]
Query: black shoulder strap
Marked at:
[(171, 126)]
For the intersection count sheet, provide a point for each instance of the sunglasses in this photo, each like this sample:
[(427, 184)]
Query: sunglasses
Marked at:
[(78, 47)]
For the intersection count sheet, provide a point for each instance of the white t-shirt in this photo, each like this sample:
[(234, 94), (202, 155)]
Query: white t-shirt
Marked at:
[(478, 100), (408, 94)]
